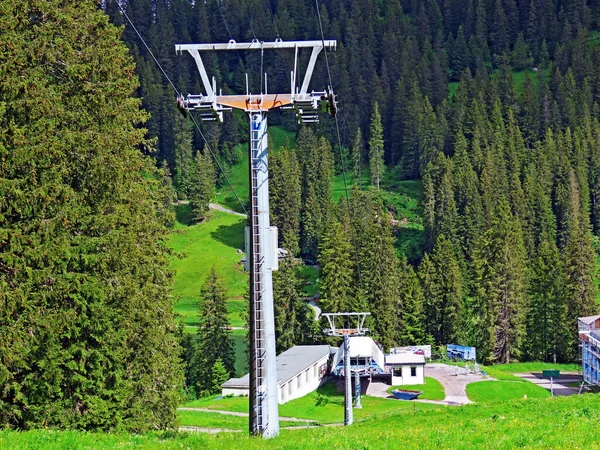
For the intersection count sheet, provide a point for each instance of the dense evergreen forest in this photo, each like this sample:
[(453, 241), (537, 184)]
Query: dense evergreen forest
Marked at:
[(493, 106), (427, 90)]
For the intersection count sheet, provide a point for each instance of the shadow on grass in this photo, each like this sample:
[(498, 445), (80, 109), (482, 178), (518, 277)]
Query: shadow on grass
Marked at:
[(230, 235), (184, 214)]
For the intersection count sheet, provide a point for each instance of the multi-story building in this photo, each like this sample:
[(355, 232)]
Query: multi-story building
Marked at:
[(589, 338)]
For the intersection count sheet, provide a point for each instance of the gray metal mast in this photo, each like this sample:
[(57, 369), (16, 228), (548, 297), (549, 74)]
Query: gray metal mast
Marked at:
[(352, 324), (261, 237)]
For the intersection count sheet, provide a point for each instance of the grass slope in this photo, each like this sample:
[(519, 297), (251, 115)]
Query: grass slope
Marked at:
[(213, 242), (325, 405), (500, 391), (432, 389), (558, 422)]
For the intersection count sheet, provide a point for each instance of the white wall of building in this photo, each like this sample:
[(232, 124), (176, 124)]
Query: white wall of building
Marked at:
[(237, 392), (406, 376), (304, 382)]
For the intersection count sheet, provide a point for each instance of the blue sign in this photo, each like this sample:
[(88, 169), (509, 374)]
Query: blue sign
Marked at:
[(460, 352)]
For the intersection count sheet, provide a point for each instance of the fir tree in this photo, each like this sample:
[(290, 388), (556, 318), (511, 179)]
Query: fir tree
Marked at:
[(285, 197), (214, 337), (203, 186), (87, 328), (500, 282), (219, 375), (336, 277), (411, 314), (287, 288), (376, 162)]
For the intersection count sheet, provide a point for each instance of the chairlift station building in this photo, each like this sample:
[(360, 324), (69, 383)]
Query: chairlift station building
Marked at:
[(589, 339)]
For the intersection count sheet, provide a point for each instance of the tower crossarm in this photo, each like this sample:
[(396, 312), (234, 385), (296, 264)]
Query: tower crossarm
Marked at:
[(211, 104)]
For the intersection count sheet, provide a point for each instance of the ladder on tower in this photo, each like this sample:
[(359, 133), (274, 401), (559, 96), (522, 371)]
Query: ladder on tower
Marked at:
[(257, 287)]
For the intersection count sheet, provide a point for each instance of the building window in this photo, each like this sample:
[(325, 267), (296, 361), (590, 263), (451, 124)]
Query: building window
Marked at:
[(413, 371), (299, 379), (397, 371), (306, 375), (290, 388)]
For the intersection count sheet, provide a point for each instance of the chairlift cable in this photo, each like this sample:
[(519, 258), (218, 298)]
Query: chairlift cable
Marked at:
[(180, 95), (342, 159), (273, 19)]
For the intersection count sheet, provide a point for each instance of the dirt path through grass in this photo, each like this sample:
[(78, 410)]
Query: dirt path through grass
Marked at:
[(242, 414)]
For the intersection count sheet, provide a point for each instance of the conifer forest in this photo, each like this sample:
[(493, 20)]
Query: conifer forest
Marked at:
[(486, 111)]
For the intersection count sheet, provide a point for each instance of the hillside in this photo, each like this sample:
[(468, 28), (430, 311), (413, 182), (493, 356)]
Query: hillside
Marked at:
[(570, 422)]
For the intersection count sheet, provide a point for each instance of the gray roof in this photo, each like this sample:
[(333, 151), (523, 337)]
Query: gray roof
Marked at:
[(589, 319), (289, 364), (297, 359)]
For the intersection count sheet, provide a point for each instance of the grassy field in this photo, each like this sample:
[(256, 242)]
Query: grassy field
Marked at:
[(535, 367), (558, 422), (500, 391), (201, 246), (325, 405), (226, 422), (432, 389)]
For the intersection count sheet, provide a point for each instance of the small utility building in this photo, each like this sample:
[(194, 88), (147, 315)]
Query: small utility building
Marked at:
[(589, 339), (300, 370), (406, 368)]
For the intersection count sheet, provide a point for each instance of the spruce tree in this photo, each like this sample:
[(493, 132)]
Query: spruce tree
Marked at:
[(203, 185), (287, 299), (285, 193), (500, 288), (376, 161), (219, 375), (411, 314), (337, 262), (214, 337), (87, 330)]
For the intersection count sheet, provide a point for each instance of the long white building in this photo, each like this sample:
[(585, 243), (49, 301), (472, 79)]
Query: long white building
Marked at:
[(300, 370)]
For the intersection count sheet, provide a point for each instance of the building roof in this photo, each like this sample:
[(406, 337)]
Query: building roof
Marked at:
[(243, 382), (589, 319), (404, 358), (290, 363), (297, 359)]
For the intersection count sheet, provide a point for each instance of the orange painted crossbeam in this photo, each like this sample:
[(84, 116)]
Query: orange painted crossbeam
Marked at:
[(255, 102)]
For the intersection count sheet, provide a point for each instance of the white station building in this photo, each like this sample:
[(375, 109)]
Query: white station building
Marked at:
[(300, 370), (406, 368)]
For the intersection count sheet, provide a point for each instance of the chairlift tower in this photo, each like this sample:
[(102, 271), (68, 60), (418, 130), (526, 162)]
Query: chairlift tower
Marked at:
[(261, 237), (346, 325)]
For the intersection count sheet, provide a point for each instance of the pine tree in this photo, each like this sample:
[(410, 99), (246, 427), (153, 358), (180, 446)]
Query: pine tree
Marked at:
[(411, 314), (184, 159), (285, 193), (203, 185), (500, 288), (214, 337), (219, 375), (336, 260), (358, 157), (87, 330), (376, 162), (287, 289), (579, 264)]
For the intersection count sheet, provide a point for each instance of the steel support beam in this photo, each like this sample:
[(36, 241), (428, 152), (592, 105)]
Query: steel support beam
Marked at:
[(264, 405)]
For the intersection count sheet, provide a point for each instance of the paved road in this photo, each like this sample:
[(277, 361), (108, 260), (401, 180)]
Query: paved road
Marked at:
[(561, 387), (454, 385)]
